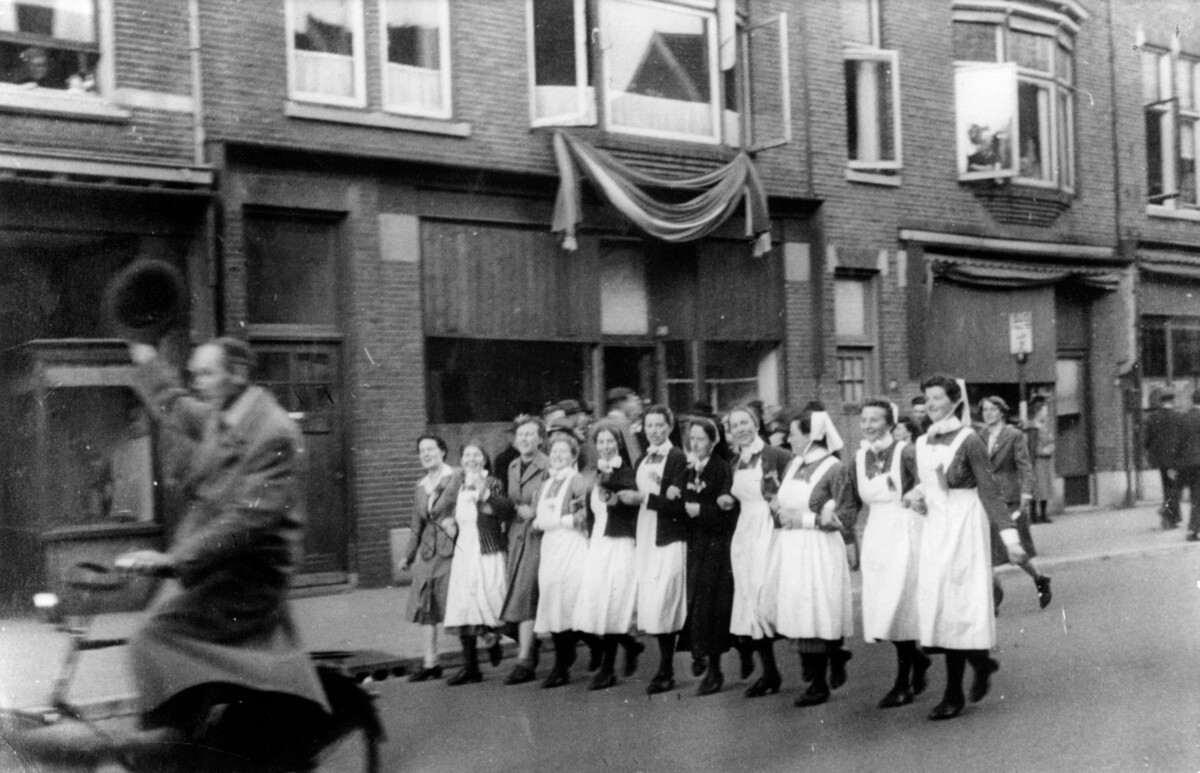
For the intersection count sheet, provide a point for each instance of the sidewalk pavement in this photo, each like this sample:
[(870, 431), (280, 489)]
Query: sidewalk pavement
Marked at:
[(370, 623)]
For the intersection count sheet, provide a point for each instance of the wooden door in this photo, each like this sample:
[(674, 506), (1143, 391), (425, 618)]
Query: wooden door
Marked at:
[(305, 378)]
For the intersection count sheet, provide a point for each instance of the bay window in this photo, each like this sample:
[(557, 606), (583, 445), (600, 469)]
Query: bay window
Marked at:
[(326, 61), (1016, 121), (50, 45), (872, 91)]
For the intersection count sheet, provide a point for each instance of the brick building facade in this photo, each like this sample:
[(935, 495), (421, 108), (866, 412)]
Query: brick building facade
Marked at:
[(379, 180)]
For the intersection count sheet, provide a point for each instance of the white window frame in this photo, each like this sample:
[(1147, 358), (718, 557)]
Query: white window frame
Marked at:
[(700, 9), (865, 346), (1059, 31), (386, 67), (96, 103), (585, 114), (1171, 112), (359, 98), (858, 54)]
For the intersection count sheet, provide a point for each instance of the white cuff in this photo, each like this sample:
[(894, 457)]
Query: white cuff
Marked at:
[(1016, 516), (1010, 537)]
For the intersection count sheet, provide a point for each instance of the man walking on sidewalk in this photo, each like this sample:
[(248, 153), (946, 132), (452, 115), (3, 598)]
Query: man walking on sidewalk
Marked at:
[(1189, 463), (1162, 441)]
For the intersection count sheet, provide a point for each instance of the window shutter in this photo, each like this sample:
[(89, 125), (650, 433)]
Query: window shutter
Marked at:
[(770, 109)]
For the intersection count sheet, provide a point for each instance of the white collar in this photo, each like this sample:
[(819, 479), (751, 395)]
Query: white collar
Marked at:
[(564, 473), (944, 426), (608, 465), (756, 447), (698, 464), (661, 450), (432, 479), (814, 454), (880, 445)]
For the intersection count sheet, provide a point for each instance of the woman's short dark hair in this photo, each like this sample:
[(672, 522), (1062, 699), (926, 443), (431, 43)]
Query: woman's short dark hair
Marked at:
[(569, 439), (803, 417), (710, 429), (886, 405), (948, 385), (998, 402), (661, 410), (910, 424), (527, 418), (441, 444), (475, 443)]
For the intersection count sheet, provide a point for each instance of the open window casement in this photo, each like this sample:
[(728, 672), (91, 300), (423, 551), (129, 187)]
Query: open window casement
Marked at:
[(986, 126), (560, 87), (769, 79), (1162, 150)]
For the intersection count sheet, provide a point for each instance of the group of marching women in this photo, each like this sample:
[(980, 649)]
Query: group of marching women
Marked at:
[(712, 554)]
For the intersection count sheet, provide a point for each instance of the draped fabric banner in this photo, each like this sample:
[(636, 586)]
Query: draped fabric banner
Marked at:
[(723, 190), (1011, 275)]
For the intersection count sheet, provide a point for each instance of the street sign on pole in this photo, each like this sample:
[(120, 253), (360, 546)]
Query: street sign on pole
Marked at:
[(1020, 332)]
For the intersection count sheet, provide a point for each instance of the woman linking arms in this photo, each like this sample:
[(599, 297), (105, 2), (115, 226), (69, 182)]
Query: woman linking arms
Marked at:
[(560, 517), (608, 596), (878, 476), (813, 603), (753, 550), (477, 575), (954, 588), (431, 547), (709, 574)]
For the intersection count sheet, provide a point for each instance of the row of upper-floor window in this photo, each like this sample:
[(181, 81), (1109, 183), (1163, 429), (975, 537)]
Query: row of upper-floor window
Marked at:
[(681, 69)]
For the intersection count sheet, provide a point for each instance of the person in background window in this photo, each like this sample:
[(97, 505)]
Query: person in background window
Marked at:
[(431, 548), (1010, 463), (608, 596), (36, 61), (812, 593), (560, 515), (709, 574), (661, 542), (525, 476), (753, 550), (878, 476), (1041, 446), (477, 575), (954, 576), (1161, 431)]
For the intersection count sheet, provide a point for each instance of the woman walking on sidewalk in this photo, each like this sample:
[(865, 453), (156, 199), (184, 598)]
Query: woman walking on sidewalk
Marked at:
[(431, 547), (954, 589), (879, 474), (608, 596), (561, 518), (709, 574), (813, 590), (753, 549), (1009, 458), (477, 575)]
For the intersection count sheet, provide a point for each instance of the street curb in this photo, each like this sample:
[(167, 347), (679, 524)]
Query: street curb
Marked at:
[(375, 666)]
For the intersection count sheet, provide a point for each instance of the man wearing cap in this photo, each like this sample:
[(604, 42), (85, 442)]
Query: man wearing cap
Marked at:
[(1162, 440)]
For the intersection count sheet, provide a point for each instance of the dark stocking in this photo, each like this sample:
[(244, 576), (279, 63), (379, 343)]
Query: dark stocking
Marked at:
[(956, 663), (906, 655), (714, 664), (595, 648), (817, 667), (609, 663), (564, 651), (666, 654), (470, 649), (1042, 510), (766, 651)]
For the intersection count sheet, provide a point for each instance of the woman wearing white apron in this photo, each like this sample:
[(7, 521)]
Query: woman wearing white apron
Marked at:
[(661, 542), (478, 582), (813, 600), (753, 552), (879, 475), (608, 597), (559, 515), (954, 579)]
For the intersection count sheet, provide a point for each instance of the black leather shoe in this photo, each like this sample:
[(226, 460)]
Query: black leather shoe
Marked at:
[(631, 657), (983, 680), (660, 683), (920, 669), (766, 685), (1043, 590), (495, 654), (947, 709), (837, 667), (895, 698), (557, 678), (813, 696), (425, 674), (698, 666), (603, 680), (999, 598), (712, 683), (465, 676), (520, 674)]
